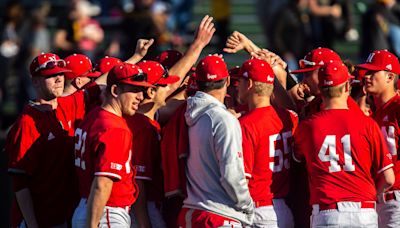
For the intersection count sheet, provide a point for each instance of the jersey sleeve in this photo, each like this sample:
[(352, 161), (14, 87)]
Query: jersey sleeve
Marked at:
[(298, 147), (20, 146), (145, 146), (248, 145), (113, 155), (382, 157)]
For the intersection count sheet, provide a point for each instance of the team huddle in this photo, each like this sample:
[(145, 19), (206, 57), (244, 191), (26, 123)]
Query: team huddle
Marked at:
[(160, 143)]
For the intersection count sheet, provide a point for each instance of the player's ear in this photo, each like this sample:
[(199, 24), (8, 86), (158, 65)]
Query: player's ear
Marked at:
[(390, 76), (149, 93), (115, 91), (228, 81), (250, 83)]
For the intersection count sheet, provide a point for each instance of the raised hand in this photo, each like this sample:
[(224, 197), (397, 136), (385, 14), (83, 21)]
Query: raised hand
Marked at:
[(142, 47), (205, 31), (235, 42)]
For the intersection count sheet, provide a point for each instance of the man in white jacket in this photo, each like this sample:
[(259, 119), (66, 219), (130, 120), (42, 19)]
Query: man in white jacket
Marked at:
[(218, 195)]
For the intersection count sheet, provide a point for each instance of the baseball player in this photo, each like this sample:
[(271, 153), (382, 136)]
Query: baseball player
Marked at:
[(217, 192), (146, 146), (103, 153), (380, 81), (39, 146), (345, 155), (267, 137), (81, 75)]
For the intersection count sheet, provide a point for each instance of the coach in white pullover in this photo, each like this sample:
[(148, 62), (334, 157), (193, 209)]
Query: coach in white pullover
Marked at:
[(216, 186)]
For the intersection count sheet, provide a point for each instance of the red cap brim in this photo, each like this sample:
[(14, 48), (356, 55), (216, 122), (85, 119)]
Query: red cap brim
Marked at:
[(168, 80), (55, 70), (135, 83), (368, 66), (95, 74), (304, 70)]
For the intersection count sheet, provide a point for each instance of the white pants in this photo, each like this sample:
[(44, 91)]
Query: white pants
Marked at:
[(155, 216), (389, 212), (278, 215), (112, 216), (348, 214)]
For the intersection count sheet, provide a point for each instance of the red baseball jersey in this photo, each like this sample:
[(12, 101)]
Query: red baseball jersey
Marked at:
[(316, 105), (103, 144), (147, 154), (388, 119), (344, 152), (174, 151), (39, 145), (267, 139)]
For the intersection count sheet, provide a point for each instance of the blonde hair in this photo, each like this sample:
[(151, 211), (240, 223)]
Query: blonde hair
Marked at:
[(333, 91), (263, 89)]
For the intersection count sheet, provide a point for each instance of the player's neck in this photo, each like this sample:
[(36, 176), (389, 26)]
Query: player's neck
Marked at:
[(219, 94), (382, 98), (335, 103), (148, 108), (256, 101), (68, 90), (112, 106)]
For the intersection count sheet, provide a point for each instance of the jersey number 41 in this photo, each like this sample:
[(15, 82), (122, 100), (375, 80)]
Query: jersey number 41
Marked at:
[(330, 144)]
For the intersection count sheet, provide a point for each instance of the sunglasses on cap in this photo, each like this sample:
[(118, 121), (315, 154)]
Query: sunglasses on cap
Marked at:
[(139, 77), (51, 64), (164, 75), (305, 63)]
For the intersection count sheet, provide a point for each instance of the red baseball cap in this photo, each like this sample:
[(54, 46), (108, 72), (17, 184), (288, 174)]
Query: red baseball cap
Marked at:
[(106, 63), (211, 68), (333, 74), (127, 73), (257, 70), (315, 59), (168, 58), (381, 60), (47, 64), (80, 66), (156, 73)]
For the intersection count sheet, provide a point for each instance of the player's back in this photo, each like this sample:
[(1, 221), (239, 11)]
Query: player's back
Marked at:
[(267, 134), (343, 151)]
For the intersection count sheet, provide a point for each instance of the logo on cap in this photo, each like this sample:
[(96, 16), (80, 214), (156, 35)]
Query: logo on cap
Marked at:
[(328, 82), (389, 67), (270, 79), (211, 76)]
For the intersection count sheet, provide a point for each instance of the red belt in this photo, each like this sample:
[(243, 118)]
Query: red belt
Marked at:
[(263, 203), (389, 196), (364, 204)]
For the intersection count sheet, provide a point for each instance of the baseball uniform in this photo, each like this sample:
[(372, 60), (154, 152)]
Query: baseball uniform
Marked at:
[(103, 144), (342, 161), (388, 118), (146, 156), (39, 145), (267, 138), (174, 151)]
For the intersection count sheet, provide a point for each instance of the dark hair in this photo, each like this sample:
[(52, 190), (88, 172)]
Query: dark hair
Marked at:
[(208, 86)]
